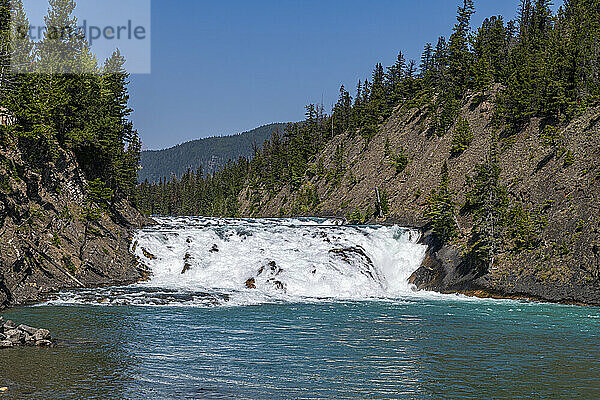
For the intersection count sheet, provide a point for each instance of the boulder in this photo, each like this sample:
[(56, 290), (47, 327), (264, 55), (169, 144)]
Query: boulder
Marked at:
[(27, 329), (186, 267), (12, 335), (187, 264), (277, 284), (215, 249), (28, 340), (9, 325), (148, 255), (251, 283), (15, 336), (41, 334), (272, 268)]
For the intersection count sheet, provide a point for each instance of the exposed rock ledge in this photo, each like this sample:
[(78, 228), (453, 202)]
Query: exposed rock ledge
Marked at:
[(444, 270), (45, 245)]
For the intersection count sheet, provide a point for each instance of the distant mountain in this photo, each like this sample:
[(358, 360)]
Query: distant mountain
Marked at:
[(210, 153)]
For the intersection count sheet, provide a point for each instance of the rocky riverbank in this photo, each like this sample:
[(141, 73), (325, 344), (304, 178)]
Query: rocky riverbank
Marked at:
[(13, 335), (46, 244), (554, 196), (446, 270)]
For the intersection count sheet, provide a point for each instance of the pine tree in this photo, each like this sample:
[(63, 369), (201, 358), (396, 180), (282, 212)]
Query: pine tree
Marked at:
[(427, 59), (459, 55), (395, 78), (440, 210), (440, 63), (487, 200), (5, 48), (463, 136)]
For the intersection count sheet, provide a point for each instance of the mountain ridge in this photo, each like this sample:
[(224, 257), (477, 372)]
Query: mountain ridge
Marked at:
[(210, 153)]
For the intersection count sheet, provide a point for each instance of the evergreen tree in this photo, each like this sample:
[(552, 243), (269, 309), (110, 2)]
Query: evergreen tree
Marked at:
[(427, 59), (395, 80), (487, 200), (440, 210), (463, 136), (459, 55)]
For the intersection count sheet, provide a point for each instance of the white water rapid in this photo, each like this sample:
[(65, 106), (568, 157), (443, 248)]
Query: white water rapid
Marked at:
[(286, 259), (212, 262)]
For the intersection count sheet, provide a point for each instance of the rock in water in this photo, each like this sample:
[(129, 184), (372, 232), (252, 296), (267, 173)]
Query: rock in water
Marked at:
[(9, 325), (148, 255), (29, 340), (186, 268), (27, 329), (277, 284), (41, 334), (15, 336), (12, 335), (187, 265), (251, 283)]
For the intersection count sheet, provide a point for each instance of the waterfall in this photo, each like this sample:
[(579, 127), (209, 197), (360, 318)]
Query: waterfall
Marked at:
[(287, 259), (201, 262)]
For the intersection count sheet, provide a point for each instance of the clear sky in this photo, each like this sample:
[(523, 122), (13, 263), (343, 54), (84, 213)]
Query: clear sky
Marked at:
[(226, 66)]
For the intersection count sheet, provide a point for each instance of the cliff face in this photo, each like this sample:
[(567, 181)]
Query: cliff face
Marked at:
[(564, 188), (44, 244)]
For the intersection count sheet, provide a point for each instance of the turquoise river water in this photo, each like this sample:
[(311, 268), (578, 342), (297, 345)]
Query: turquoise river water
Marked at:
[(205, 335)]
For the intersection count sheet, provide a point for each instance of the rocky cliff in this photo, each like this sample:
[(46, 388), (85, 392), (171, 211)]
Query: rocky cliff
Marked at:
[(44, 242), (561, 188)]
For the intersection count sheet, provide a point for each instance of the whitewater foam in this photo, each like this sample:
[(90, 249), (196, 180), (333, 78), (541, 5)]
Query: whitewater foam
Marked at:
[(208, 261)]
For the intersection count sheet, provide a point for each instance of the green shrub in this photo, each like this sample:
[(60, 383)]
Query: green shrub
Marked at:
[(334, 175), (382, 207), (356, 217), (463, 136), (368, 132), (307, 200), (352, 181), (69, 264), (524, 227), (440, 210), (550, 137), (444, 117), (55, 240), (569, 159), (399, 160), (5, 184)]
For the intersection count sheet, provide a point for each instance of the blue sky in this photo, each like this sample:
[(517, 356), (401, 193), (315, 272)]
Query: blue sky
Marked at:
[(226, 66)]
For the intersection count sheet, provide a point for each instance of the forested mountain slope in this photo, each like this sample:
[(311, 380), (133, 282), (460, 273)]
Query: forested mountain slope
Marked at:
[(548, 238), (69, 157), (208, 154)]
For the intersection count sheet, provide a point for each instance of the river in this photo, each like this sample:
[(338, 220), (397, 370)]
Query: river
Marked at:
[(296, 309)]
